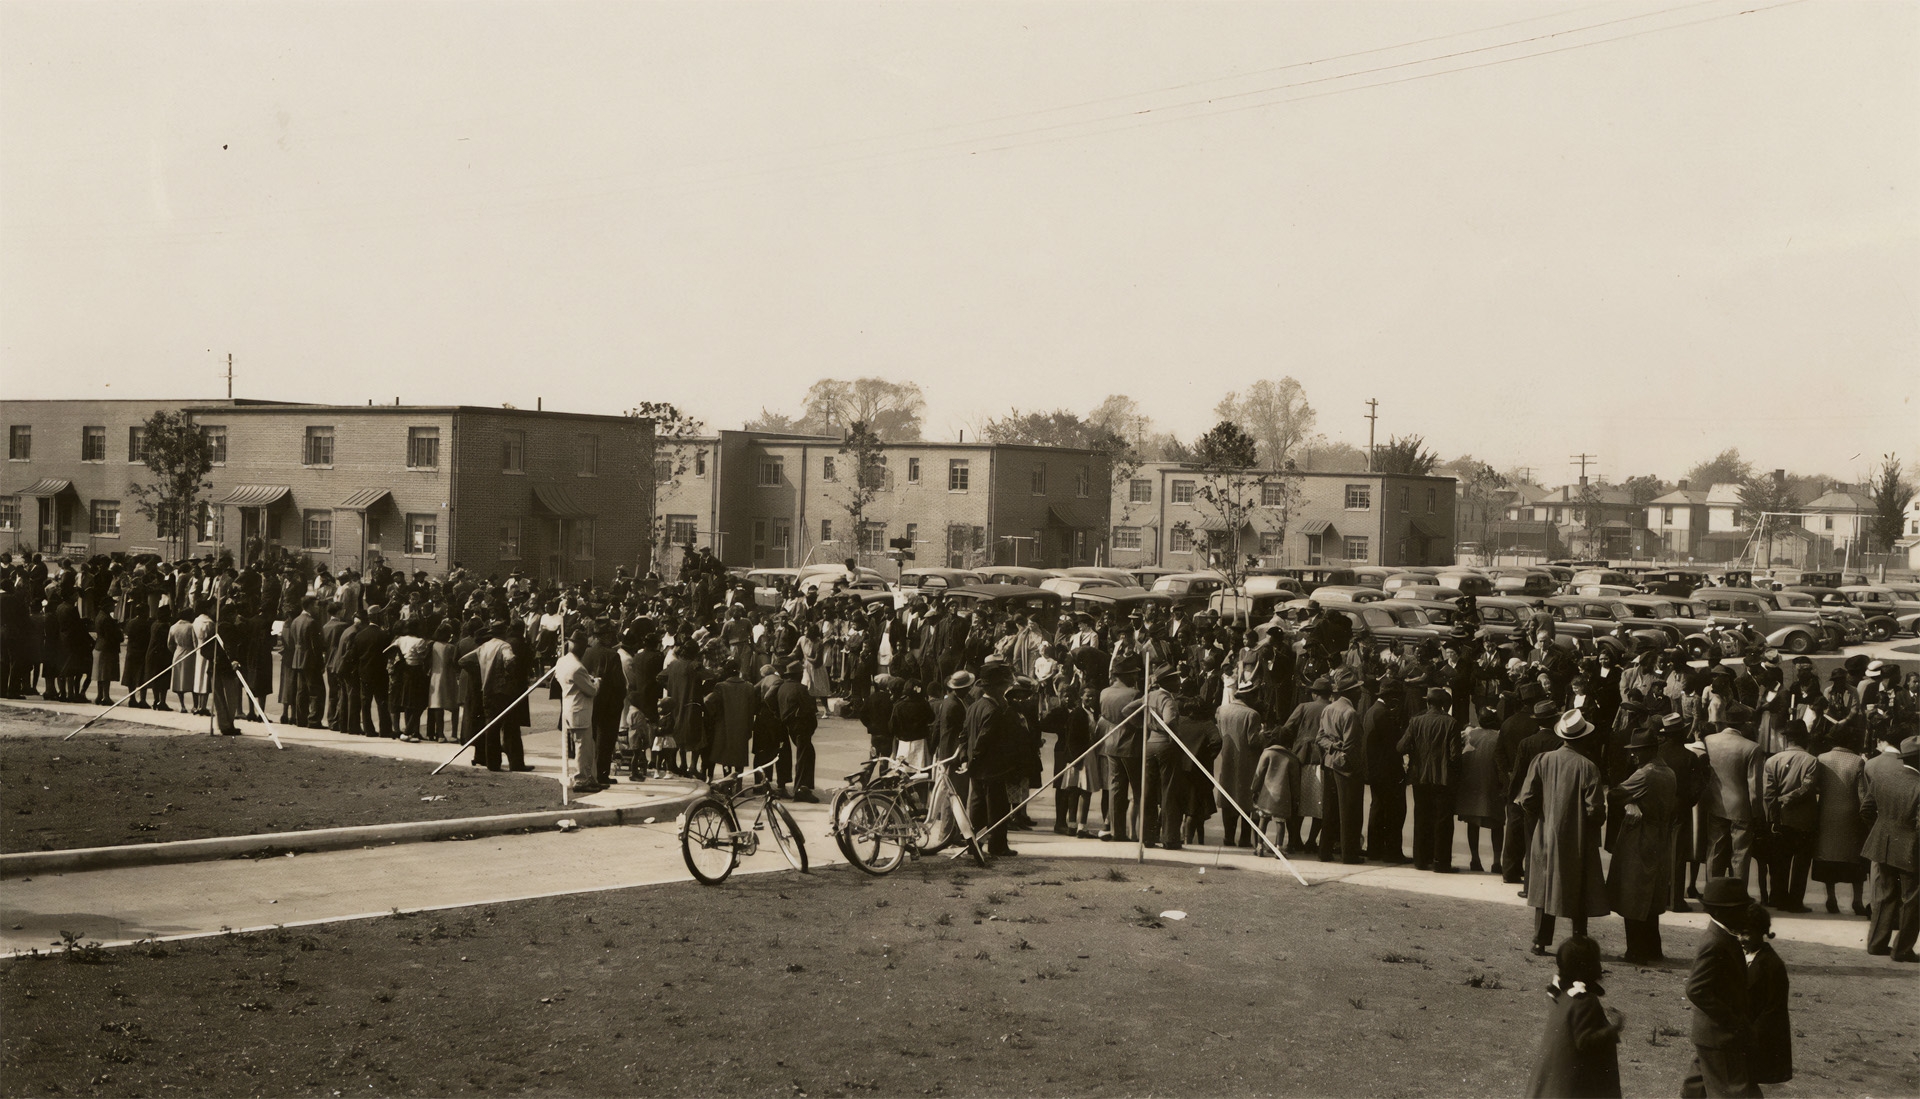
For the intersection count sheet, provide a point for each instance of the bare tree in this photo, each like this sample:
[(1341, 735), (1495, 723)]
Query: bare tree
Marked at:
[(868, 452), (675, 451), (1275, 414), (177, 453)]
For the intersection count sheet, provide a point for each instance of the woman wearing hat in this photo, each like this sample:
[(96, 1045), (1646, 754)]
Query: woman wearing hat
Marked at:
[(1565, 798)]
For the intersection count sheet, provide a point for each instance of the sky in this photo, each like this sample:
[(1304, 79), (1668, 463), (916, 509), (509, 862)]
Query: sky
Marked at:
[(1643, 231)]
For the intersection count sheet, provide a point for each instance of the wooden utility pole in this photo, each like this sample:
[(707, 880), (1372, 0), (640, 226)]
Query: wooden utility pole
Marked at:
[(1583, 459), (1373, 414), (229, 375)]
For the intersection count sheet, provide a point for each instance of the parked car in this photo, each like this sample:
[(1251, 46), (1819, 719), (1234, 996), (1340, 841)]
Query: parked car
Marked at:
[(1145, 575), (1254, 585), (1425, 591), (1877, 623), (1505, 616), (824, 582), (1516, 580), (1065, 586), (1604, 591), (1012, 574), (1731, 578), (1249, 608), (1795, 632), (1608, 619), (768, 584), (1347, 593), (1125, 599), (1374, 576), (1679, 583), (1309, 577), (1403, 632), (1190, 589), (1118, 576), (1603, 576), (933, 581), (1465, 582), (1408, 580), (1843, 625), (1003, 597)]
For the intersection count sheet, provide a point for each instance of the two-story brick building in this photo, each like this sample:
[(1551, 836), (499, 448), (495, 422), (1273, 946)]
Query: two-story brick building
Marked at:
[(764, 499), (556, 494), (1160, 517)]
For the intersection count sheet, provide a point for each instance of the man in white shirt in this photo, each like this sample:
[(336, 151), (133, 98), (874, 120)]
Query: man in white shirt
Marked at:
[(577, 688)]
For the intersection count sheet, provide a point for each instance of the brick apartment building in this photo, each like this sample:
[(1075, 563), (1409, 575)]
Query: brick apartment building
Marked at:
[(1337, 519), (763, 499), (556, 494)]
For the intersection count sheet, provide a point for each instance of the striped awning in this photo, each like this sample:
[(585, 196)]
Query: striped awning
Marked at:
[(1076, 515), (365, 498), (557, 500), (254, 496), (1316, 526), (47, 486)]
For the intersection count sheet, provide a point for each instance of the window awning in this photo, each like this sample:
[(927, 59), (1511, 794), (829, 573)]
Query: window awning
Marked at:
[(254, 496), (1424, 530), (557, 500), (1316, 526), (365, 498), (47, 486), (1076, 515), (1212, 524)]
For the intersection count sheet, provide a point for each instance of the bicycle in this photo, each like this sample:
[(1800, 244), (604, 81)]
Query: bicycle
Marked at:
[(711, 840), (905, 816)]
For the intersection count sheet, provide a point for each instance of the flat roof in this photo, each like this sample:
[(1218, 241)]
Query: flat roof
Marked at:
[(390, 409)]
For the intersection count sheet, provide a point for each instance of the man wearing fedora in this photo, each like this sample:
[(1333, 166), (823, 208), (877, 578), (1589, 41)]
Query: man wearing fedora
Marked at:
[(1688, 776), (993, 738), (1432, 747), (1640, 877), (1566, 802), (1717, 991), (1518, 765), (1345, 759), (1732, 789), (1892, 850)]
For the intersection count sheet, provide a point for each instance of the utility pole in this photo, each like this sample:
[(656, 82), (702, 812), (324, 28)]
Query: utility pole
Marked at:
[(229, 375), (1373, 414), (1583, 459)]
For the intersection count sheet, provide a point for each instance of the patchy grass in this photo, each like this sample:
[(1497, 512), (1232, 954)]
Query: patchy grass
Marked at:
[(780, 985), (102, 790)]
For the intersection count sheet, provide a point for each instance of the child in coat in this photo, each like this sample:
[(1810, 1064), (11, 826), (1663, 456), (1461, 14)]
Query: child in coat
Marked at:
[(1276, 782), (1579, 1054), (1772, 1060)]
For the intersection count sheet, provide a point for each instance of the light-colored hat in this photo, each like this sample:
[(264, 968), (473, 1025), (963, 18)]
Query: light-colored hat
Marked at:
[(1572, 726)]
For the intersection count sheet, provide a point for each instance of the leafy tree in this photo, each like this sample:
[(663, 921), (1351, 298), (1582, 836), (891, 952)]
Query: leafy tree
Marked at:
[(1234, 487), (1405, 456), (1334, 457), (1592, 518), (1121, 415), (1275, 414), (674, 452), (1761, 498), (1647, 488), (1891, 493), (1724, 468), (178, 456), (776, 422), (1482, 493), (868, 451), (1065, 429)]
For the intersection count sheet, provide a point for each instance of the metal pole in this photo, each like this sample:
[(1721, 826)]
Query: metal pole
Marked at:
[(245, 686), (490, 724), (131, 695), (1140, 800)]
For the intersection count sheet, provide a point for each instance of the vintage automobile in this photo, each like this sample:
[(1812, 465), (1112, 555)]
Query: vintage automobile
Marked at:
[(1127, 600), (1403, 629), (767, 584), (1843, 625), (1249, 608), (1065, 586), (1519, 580), (1562, 574), (1897, 601), (1118, 576), (1731, 578), (1374, 576), (1005, 597), (1465, 582), (1409, 580), (1012, 574), (1877, 623), (1190, 589), (1603, 576), (933, 581), (1426, 591), (1679, 583), (1145, 575), (1614, 626), (1604, 591), (1347, 593), (1309, 577), (1256, 585), (1505, 616), (1793, 631)]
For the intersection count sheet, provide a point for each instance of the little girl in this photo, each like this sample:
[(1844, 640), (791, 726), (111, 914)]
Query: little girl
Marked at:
[(1579, 1054), (1772, 1061)]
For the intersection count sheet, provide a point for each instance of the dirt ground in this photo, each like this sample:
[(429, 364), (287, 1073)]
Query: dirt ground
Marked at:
[(100, 790), (1052, 978)]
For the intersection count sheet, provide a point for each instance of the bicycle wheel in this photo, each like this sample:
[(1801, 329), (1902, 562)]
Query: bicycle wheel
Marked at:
[(706, 841), (787, 835), (873, 838)]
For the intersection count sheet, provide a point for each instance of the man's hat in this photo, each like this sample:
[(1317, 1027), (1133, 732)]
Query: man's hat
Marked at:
[(1643, 738), (1531, 692), (1737, 714), (1910, 748), (1321, 686), (1545, 708), (1673, 722), (1725, 893), (1876, 669), (995, 667), (1572, 726), (767, 669), (1803, 662), (960, 680), (1344, 681), (1438, 695)]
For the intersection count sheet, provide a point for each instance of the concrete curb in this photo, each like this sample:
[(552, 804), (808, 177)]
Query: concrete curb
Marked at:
[(25, 863)]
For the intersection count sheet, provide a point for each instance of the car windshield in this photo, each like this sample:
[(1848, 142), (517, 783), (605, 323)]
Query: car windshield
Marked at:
[(1377, 619), (1412, 616)]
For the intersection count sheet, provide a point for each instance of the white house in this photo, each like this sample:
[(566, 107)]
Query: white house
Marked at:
[(1840, 516)]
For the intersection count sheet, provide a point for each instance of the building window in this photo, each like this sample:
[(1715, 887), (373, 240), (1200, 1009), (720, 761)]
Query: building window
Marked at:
[(1406, 497), (216, 437), (20, 443), (1083, 483), (9, 513), (316, 530), (213, 524), (957, 474), (1316, 549), (1126, 538), (826, 530), (509, 539), (873, 537), (513, 452), (105, 516), (583, 539), (1272, 545), (682, 529), (1183, 492), (1180, 540), (1828, 521), (423, 448), (773, 471), (782, 537), (1666, 515), (1359, 497), (829, 470), (586, 450), (1273, 494), (93, 444), (1433, 501), (1038, 481), (423, 531), (136, 444), (700, 463), (319, 448), (1529, 515), (913, 471), (1139, 491), (1354, 546), (912, 535), (662, 470)]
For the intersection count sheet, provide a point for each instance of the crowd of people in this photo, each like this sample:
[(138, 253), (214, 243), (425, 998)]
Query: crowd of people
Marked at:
[(1300, 736)]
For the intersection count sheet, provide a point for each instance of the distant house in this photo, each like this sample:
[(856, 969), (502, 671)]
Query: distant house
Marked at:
[(1597, 519), (1843, 516), (1680, 520)]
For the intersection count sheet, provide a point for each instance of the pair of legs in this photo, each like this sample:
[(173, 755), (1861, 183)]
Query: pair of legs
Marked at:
[(1123, 783), (1494, 834), (1070, 809)]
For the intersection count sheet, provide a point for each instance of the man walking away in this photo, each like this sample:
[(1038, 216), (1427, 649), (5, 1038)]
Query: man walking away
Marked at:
[(578, 687), (1641, 874), (1566, 802), (1717, 990), (1893, 802), (1432, 747)]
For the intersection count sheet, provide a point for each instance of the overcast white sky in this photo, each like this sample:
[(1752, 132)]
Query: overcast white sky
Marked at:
[(1702, 234)]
